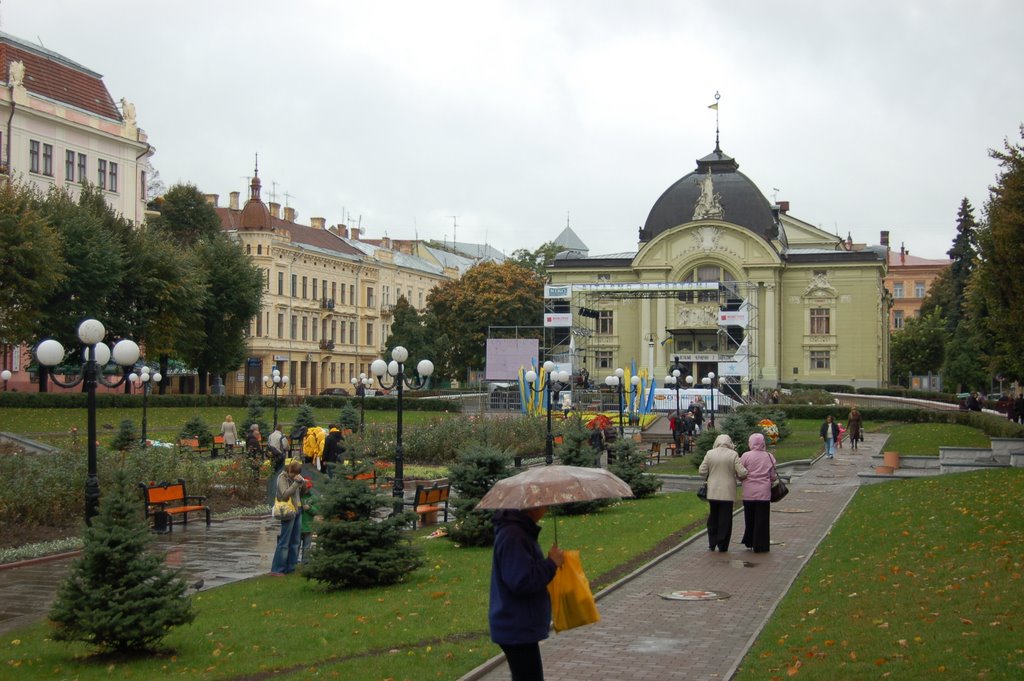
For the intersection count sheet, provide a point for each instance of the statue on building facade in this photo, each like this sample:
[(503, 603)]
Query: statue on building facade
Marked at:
[(709, 205), (16, 74)]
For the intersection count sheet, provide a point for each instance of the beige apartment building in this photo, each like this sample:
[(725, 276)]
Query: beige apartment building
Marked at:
[(60, 127), (328, 295), (909, 280)]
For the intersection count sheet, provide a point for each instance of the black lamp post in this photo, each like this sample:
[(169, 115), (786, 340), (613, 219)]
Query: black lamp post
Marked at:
[(396, 369), (50, 353), (144, 379), (672, 381), (710, 382), (362, 384), (5, 376), (275, 381), (615, 381), (551, 376)]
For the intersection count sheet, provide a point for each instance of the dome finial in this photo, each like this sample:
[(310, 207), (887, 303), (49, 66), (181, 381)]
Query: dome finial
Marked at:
[(714, 106)]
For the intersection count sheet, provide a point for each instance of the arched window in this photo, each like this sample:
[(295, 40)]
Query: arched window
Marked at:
[(259, 249), (710, 273), (248, 249)]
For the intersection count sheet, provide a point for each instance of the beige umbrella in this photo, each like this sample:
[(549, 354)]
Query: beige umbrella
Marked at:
[(550, 485)]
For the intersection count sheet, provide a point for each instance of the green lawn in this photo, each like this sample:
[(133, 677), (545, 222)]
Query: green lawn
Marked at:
[(924, 439), (918, 579), (436, 620), (164, 423)]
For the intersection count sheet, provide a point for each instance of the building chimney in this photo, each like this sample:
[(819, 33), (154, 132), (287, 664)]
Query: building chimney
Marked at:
[(355, 233), (289, 214), (318, 223), (233, 200), (343, 231), (275, 209), (212, 199), (903, 254), (784, 207), (385, 242), (884, 238)]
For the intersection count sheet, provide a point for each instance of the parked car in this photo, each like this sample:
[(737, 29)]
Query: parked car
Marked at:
[(1000, 403), (339, 392)]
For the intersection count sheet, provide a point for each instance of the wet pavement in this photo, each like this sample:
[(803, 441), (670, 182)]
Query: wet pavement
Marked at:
[(226, 551), (693, 613)]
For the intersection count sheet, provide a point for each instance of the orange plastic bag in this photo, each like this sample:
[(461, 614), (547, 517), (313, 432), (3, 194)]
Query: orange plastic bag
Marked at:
[(572, 603)]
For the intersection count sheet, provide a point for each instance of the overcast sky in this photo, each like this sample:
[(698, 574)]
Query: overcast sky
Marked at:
[(516, 116)]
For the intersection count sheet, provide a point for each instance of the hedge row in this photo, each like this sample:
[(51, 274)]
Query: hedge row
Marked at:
[(111, 400), (895, 391), (990, 424)]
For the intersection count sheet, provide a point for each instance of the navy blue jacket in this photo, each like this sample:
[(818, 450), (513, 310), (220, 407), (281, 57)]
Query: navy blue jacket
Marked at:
[(520, 609)]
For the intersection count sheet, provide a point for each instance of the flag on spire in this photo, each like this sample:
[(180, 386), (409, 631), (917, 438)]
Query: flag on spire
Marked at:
[(713, 106)]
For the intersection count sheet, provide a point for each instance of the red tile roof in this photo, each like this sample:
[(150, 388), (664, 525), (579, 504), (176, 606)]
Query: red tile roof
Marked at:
[(300, 234), (50, 75), (913, 261)]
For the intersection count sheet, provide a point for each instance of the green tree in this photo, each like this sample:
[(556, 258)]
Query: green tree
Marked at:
[(997, 289), (964, 368), (32, 264), (488, 295), (95, 265), (538, 259), (631, 466), (479, 467), (918, 348), (232, 285), (255, 414), (186, 216), (119, 595), (412, 330), (948, 291), (353, 548)]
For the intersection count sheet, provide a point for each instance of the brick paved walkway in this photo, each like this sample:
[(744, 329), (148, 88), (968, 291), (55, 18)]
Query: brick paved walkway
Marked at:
[(644, 637)]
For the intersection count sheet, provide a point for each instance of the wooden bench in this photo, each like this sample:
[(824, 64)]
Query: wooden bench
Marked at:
[(653, 455), (191, 444), (369, 477), (431, 500), (165, 500)]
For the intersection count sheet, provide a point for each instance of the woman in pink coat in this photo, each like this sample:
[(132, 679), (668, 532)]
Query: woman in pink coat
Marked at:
[(721, 467), (757, 494)]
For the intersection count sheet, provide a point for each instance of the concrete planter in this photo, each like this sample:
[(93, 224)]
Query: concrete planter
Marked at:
[(884, 470)]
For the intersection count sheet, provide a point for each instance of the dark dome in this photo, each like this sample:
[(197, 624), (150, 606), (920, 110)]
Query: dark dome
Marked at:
[(742, 203)]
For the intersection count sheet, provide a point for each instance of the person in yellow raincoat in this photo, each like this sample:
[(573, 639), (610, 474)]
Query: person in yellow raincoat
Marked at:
[(313, 445)]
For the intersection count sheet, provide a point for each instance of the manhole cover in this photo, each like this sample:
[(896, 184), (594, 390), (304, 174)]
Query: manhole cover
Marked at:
[(693, 595), (791, 510)]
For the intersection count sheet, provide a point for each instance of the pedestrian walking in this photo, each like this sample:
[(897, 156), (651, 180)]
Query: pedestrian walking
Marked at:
[(520, 607), (854, 424), (757, 494), (229, 432), (829, 433), (722, 469)]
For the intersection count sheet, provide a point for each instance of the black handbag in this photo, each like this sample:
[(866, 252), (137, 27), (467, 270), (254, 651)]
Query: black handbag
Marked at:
[(779, 489), (702, 492)]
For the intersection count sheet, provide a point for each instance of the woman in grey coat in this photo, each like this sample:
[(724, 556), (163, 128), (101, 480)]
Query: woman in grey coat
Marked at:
[(722, 469)]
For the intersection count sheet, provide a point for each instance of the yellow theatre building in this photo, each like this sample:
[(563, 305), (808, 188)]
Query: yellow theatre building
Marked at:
[(724, 281)]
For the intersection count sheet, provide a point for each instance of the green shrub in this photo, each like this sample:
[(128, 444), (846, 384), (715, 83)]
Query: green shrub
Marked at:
[(99, 602), (196, 427), (254, 415), (126, 437), (353, 548), (631, 466), (348, 417), (478, 468)]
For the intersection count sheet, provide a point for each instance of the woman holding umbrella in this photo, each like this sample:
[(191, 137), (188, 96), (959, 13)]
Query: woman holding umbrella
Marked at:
[(520, 610)]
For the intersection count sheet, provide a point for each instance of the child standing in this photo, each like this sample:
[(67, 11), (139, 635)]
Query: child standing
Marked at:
[(309, 512)]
